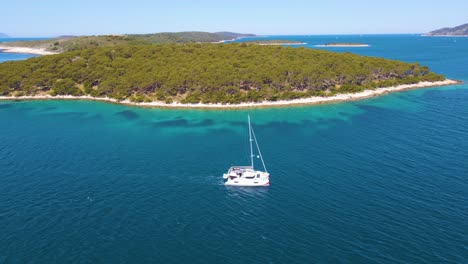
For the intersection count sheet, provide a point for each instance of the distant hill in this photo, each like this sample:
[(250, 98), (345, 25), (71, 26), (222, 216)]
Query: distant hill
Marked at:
[(187, 37), (233, 35), (455, 31), (67, 36), (71, 43), (2, 35)]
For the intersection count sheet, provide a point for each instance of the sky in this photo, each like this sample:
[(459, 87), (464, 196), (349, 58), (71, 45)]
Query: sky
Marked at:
[(48, 18)]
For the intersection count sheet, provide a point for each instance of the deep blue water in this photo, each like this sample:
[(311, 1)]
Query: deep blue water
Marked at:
[(382, 180)]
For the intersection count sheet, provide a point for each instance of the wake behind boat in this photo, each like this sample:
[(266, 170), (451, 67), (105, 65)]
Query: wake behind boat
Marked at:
[(247, 175)]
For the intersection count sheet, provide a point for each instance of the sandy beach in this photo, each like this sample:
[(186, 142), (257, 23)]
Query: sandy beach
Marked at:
[(301, 101), (8, 49)]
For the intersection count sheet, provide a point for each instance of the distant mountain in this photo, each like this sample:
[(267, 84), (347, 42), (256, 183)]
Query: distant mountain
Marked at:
[(2, 35), (455, 31)]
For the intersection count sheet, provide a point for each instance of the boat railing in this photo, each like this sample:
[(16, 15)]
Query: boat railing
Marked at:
[(240, 168)]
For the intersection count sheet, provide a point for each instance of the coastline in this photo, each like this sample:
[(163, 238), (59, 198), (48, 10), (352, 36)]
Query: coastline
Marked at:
[(225, 40), (302, 101), (8, 49), (221, 41)]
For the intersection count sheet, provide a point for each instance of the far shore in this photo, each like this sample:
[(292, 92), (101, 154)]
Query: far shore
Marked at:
[(301, 101), (37, 51), (226, 40), (221, 41)]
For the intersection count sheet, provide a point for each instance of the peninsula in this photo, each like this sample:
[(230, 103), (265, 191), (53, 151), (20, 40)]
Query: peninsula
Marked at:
[(72, 43), (209, 74), (459, 31), (342, 44)]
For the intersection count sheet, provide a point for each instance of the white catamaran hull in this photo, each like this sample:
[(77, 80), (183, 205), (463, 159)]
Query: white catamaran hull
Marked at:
[(244, 183), (247, 178)]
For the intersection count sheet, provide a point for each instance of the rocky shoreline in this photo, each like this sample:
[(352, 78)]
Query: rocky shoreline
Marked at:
[(301, 101)]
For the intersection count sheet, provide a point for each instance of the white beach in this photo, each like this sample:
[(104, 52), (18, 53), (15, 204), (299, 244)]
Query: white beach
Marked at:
[(301, 101), (8, 49)]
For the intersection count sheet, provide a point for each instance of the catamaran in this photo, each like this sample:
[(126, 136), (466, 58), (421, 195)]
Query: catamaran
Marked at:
[(247, 175)]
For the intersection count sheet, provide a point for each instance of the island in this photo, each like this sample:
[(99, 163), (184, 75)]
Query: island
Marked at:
[(275, 42), (461, 31), (3, 35), (342, 44), (72, 43), (209, 75)]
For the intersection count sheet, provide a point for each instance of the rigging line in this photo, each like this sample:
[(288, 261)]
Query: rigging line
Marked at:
[(258, 148), (250, 142)]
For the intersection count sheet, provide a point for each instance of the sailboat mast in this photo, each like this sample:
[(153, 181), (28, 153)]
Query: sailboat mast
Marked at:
[(250, 142), (258, 149)]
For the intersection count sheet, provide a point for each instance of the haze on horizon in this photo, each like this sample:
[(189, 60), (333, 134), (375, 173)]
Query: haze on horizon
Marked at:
[(28, 18)]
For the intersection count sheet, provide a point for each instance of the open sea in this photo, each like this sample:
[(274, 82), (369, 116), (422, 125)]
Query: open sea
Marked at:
[(382, 180)]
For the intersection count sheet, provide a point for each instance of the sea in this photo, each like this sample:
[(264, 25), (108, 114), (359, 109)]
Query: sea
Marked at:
[(380, 180)]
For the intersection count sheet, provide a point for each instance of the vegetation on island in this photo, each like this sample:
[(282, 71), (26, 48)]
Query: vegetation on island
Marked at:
[(461, 30), (207, 73), (72, 43)]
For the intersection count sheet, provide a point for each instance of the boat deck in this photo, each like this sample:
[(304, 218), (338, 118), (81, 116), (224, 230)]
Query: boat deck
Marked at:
[(239, 168)]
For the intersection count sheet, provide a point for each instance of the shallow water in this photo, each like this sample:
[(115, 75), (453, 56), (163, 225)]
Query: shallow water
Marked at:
[(381, 180)]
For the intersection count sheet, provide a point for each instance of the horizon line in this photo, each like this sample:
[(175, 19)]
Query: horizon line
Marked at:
[(256, 35)]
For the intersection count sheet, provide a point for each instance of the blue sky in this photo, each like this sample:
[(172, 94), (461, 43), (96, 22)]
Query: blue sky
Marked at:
[(28, 18)]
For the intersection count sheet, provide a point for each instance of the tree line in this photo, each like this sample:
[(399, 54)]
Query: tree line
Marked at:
[(208, 73)]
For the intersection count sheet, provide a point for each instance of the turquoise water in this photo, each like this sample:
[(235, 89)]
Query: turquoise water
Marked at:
[(382, 180)]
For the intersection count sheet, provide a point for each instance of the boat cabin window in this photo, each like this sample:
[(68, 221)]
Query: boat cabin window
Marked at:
[(258, 175)]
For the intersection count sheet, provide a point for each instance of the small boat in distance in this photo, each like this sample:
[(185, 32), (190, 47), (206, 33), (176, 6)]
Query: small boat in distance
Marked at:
[(247, 175)]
